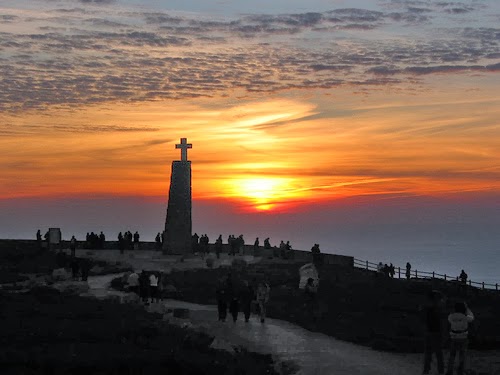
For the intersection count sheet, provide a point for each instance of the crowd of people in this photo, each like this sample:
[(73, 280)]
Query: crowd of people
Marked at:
[(128, 241), (147, 285), (235, 298), (458, 323), (80, 269)]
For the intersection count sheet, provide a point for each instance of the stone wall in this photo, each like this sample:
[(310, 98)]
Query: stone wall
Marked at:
[(151, 246)]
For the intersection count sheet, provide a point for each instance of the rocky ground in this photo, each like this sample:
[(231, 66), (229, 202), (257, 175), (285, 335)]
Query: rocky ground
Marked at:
[(47, 328), (358, 306)]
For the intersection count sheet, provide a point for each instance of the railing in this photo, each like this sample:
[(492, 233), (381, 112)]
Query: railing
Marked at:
[(401, 274)]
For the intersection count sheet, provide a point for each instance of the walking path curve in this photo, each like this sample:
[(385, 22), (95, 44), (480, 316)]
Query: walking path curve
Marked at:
[(314, 353)]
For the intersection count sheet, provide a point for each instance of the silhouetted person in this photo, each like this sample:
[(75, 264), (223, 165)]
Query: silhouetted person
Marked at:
[(133, 282), (459, 336), (267, 244), (310, 293), (75, 267), (85, 269), (408, 271), (39, 239), (463, 277), (233, 245), (93, 237), (433, 317), (262, 296), (256, 246), (240, 244), (158, 243), (204, 245), (220, 294), (144, 286), (194, 243), (218, 246), (316, 254), (136, 240), (121, 243), (288, 250), (247, 295), (387, 271), (153, 287), (234, 303), (392, 271), (72, 246), (102, 240)]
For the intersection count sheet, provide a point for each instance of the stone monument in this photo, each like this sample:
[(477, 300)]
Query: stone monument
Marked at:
[(178, 224)]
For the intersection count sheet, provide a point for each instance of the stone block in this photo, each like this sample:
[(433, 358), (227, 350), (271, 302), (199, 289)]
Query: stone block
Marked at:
[(219, 344), (60, 274)]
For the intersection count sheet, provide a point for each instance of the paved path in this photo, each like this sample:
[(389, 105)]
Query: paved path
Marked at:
[(314, 353)]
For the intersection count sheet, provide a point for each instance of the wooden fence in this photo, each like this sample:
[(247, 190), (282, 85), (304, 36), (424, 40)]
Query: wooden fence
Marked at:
[(400, 273)]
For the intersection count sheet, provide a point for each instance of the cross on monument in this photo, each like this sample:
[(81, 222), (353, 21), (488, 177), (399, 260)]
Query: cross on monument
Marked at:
[(184, 148)]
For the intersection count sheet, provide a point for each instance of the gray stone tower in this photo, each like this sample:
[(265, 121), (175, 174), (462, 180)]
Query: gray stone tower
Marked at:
[(178, 225)]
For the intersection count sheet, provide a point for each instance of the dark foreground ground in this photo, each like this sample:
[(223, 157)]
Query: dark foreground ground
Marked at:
[(353, 305), (45, 332)]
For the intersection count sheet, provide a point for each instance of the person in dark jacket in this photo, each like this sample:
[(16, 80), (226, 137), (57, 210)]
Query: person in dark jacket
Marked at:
[(85, 269), (434, 323), (144, 286), (247, 295), (220, 294)]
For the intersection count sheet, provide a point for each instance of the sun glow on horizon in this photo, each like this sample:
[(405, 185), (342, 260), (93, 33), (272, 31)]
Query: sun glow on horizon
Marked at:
[(262, 193)]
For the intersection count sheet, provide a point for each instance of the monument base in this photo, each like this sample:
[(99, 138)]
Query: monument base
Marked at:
[(178, 225)]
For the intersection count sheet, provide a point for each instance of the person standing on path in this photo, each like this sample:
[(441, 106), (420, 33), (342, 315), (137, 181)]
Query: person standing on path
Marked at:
[(153, 287), (311, 291), (433, 316), (85, 269), (262, 299), (247, 295), (220, 294), (133, 282), (144, 286), (72, 246), (459, 334)]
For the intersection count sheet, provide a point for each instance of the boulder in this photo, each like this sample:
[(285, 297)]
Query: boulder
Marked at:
[(219, 344), (169, 291), (60, 274)]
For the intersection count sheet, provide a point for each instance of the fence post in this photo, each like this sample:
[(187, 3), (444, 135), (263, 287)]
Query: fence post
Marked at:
[(483, 284), (399, 272), (444, 277), (367, 265), (496, 286), (470, 282), (416, 274), (433, 274)]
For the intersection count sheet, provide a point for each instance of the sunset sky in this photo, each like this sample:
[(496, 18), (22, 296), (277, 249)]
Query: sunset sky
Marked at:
[(300, 113)]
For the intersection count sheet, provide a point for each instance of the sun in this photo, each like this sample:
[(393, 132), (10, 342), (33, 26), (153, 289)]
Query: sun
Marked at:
[(263, 193)]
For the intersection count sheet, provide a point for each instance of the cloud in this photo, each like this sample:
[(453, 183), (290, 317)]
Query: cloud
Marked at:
[(90, 56)]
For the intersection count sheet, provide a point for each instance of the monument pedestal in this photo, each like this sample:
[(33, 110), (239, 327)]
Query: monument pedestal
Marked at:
[(178, 225)]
